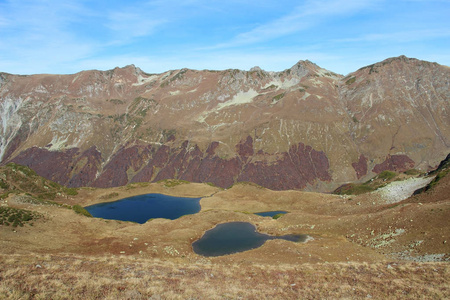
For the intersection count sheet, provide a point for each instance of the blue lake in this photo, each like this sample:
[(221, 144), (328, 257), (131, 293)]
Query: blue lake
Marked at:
[(233, 237), (271, 213), (141, 208)]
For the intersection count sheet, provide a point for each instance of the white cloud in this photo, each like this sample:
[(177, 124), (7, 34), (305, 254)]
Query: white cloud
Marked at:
[(401, 36), (36, 36), (302, 17), (133, 24)]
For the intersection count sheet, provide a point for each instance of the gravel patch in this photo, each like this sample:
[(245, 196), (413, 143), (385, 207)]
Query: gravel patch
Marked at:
[(400, 190), (407, 255)]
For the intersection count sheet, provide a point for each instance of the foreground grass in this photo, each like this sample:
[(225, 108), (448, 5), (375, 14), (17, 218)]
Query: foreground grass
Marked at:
[(80, 277)]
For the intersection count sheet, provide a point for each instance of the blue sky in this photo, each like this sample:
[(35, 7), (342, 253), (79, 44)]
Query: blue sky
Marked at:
[(46, 36)]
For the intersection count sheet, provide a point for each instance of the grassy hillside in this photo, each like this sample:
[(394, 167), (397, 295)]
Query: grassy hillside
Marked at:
[(361, 246), (18, 179)]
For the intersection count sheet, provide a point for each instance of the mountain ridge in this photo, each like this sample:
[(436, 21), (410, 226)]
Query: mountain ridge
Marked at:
[(301, 128)]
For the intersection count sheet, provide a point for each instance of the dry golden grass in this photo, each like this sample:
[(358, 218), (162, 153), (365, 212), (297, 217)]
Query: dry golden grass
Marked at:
[(88, 277), (69, 256)]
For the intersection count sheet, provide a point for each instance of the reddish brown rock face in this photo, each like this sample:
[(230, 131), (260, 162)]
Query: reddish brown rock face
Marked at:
[(115, 172), (87, 165), (398, 163), (20, 138), (245, 148), (69, 168), (300, 166), (295, 169), (360, 166)]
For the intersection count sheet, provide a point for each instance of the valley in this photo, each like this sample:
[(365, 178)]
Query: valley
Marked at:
[(355, 235)]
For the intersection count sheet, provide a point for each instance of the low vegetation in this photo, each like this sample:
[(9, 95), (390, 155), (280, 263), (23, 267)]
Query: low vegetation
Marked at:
[(81, 210), (31, 189), (371, 185), (17, 217), (277, 216), (278, 97), (172, 182), (386, 175), (247, 183), (109, 196), (15, 178), (354, 189), (439, 175), (413, 172), (350, 81)]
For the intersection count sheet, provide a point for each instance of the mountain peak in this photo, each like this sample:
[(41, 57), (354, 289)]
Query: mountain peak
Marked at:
[(256, 69), (303, 68), (395, 62)]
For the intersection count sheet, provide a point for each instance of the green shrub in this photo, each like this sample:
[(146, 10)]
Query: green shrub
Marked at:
[(54, 185), (71, 191), (47, 196), (436, 179), (16, 216), (109, 196), (387, 175), (3, 184), (350, 81), (81, 210), (412, 172), (25, 170), (356, 189), (277, 216), (173, 182), (247, 183), (278, 97)]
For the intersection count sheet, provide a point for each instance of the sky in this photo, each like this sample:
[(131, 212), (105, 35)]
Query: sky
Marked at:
[(65, 37)]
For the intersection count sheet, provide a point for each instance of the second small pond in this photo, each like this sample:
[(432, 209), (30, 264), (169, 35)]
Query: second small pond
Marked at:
[(233, 237)]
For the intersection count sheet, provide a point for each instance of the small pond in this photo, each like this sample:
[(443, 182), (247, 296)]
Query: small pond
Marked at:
[(271, 213), (141, 208), (236, 237)]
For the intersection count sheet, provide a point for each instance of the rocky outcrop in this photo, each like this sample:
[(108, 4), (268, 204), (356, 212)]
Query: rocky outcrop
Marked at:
[(295, 169), (360, 166), (398, 163)]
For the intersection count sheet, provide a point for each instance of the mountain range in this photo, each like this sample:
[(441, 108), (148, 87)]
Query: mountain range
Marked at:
[(303, 128)]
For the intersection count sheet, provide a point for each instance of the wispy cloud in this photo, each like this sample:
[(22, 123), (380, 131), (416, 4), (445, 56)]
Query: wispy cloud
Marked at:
[(400, 36), (130, 24), (35, 34), (301, 18)]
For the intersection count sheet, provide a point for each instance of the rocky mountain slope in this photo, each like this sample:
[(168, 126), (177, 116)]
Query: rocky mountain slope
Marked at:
[(303, 128)]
